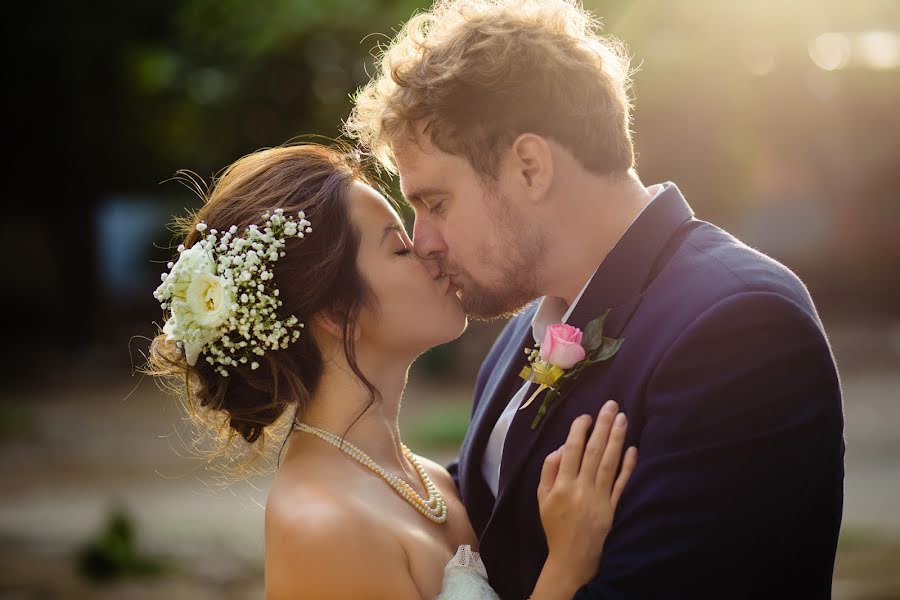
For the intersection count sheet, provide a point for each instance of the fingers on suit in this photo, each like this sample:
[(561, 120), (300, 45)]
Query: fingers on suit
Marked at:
[(597, 443), (573, 449), (612, 454), (549, 473), (628, 465)]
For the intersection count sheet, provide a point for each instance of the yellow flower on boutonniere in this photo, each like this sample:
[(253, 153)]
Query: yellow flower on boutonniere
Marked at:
[(560, 358)]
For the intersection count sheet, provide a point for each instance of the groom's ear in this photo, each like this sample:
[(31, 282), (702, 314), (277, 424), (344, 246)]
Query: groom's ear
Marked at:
[(532, 160)]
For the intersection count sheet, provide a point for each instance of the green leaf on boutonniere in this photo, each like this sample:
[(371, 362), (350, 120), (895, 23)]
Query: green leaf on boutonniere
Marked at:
[(593, 333), (606, 350)]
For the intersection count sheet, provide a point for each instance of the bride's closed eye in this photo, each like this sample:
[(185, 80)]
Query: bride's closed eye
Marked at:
[(406, 249)]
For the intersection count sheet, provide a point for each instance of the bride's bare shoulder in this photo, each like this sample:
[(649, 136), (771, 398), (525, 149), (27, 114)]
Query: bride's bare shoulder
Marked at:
[(318, 546), (439, 475)]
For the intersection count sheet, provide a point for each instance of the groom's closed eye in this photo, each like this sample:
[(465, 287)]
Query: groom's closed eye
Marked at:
[(435, 206), (424, 197)]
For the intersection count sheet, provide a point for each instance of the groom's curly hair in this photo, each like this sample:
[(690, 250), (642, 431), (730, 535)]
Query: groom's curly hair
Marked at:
[(482, 72)]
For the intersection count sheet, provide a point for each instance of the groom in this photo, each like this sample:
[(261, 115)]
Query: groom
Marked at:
[(508, 123)]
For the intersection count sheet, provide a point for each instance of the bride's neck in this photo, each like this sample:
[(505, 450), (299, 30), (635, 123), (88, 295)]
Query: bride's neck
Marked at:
[(341, 398)]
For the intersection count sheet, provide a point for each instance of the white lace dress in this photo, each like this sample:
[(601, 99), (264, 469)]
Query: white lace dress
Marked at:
[(465, 578)]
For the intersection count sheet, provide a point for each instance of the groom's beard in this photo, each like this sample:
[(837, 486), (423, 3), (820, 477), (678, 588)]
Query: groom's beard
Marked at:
[(504, 299), (515, 284)]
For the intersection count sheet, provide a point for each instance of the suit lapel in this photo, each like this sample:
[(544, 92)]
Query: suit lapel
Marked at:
[(618, 285), (494, 399)]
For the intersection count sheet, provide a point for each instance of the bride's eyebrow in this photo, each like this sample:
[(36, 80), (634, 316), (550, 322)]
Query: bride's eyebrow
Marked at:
[(394, 226)]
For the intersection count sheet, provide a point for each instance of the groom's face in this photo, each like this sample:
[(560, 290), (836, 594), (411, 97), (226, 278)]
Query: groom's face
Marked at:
[(469, 229)]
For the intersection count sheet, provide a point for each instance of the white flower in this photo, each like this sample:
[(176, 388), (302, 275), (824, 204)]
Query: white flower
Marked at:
[(175, 283), (208, 299), (195, 258), (202, 289)]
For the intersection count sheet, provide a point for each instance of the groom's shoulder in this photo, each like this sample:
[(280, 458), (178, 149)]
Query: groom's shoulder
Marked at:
[(714, 264)]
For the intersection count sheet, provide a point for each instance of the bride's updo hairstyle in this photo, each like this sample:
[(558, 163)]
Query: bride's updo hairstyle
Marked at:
[(316, 275)]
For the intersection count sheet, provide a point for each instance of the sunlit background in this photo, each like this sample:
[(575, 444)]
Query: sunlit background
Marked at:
[(779, 120)]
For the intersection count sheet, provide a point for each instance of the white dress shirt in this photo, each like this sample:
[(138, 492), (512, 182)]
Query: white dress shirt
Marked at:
[(551, 310)]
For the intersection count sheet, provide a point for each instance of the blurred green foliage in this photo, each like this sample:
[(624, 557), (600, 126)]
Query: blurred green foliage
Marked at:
[(440, 428), (856, 537), (114, 553), (17, 421), (437, 360)]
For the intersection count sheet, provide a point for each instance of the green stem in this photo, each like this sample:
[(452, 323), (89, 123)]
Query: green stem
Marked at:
[(541, 411)]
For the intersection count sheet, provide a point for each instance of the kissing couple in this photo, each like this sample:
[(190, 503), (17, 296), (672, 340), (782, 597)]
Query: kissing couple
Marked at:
[(297, 303)]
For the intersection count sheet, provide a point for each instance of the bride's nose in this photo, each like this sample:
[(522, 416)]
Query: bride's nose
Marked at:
[(430, 265), (429, 260)]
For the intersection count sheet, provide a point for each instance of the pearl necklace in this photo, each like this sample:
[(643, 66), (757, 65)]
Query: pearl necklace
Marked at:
[(433, 508)]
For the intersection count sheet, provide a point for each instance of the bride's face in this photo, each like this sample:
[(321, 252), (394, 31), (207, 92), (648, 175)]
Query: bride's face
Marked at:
[(415, 311)]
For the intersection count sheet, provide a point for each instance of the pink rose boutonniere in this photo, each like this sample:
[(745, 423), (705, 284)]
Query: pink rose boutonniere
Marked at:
[(560, 358)]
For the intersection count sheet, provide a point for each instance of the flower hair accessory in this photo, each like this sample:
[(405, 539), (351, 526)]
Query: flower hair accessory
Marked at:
[(220, 294)]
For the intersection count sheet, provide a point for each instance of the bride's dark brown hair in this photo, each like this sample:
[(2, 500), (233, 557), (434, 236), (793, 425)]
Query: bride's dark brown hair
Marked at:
[(317, 275)]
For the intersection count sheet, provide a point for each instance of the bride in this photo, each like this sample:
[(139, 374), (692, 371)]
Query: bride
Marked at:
[(296, 297)]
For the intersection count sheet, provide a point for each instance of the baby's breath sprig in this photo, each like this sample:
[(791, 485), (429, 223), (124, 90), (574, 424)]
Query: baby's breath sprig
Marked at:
[(220, 294)]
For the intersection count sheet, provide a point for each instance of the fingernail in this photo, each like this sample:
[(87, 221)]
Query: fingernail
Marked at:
[(620, 420), (610, 406)]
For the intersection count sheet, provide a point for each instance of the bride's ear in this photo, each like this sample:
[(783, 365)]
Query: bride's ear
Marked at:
[(331, 324), (327, 325)]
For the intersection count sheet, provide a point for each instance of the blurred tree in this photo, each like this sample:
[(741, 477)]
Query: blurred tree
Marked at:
[(114, 553), (109, 99)]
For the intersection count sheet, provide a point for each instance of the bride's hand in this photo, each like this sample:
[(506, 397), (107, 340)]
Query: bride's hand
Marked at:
[(579, 491)]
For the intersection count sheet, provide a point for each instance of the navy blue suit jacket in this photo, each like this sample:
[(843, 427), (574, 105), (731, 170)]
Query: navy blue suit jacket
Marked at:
[(733, 400)]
